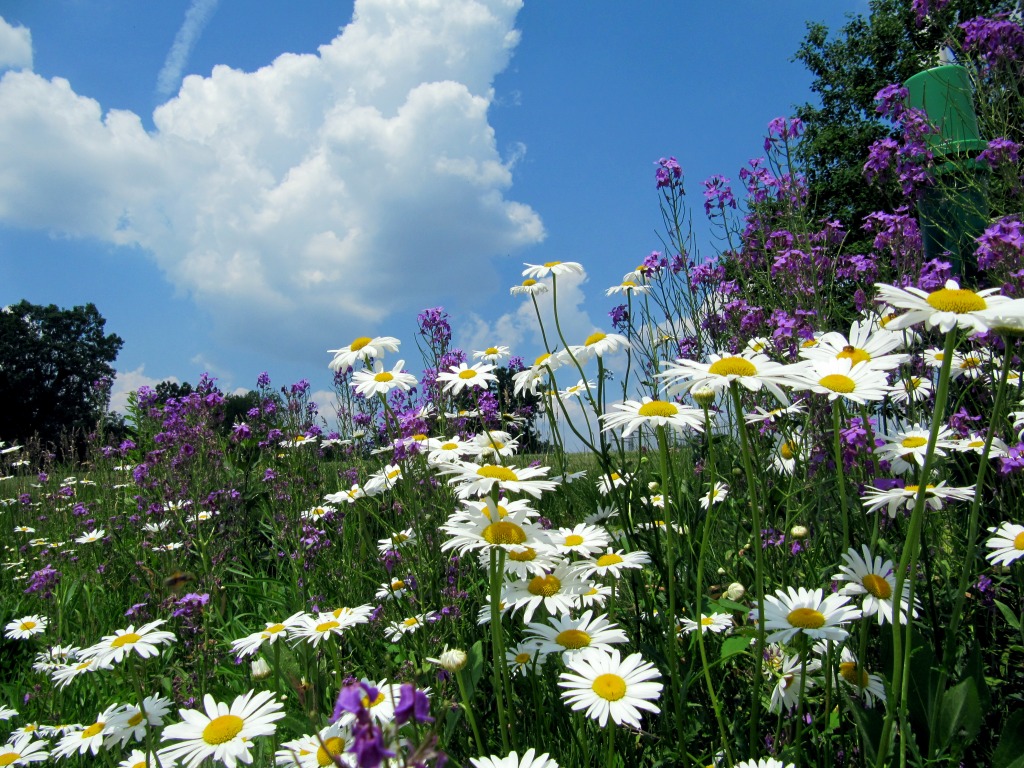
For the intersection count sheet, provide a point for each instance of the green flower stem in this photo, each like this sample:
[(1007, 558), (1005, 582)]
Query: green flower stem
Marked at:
[(844, 507), (902, 647), (949, 651), (467, 705), (610, 758), (671, 653), (497, 642), (755, 516)]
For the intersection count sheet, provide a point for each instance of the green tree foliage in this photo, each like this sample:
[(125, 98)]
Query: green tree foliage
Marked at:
[(55, 370), (888, 45)]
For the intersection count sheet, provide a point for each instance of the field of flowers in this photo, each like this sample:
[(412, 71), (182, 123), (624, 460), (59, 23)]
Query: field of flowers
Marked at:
[(775, 518)]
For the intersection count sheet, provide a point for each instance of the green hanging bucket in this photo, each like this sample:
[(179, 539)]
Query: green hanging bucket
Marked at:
[(944, 94)]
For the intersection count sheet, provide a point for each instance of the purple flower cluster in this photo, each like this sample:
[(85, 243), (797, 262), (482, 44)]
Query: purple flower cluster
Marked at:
[(669, 174), (998, 41), (718, 195)]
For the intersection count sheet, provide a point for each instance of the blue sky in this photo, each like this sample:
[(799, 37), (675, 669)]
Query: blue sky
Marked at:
[(240, 186)]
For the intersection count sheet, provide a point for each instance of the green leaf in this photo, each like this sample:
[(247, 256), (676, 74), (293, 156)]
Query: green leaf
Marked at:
[(869, 723), (1008, 614), (733, 646), (960, 712), (729, 605), (475, 665), (1010, 752)]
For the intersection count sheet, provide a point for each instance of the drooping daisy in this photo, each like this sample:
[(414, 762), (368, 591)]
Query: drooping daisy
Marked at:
[(530, 759), (613, 561), (298, 440), (143, 641), (598, 344), (790, 676), (582, 539), (64, 675), (627, 287), (839, 377), (521, 658), (853, 674), (479, 480), (396, 541), (318, 750), (25, 627), (762, 416), (975, 443), (392, 590), (525, 562), (802, 610), (89, 739), (396, 630), (568, 636), (221, 732), (6, 713), (314, 629), (274, 631), (348, 497), (529, 287), (460, 376), (317, 513), (911, 389), (875, 579), (1007, 543), (607, 482), (360, 349), (131, 721), (905, 449), (609, 687), (90, 537), (492, 354), (752, 371), (384, 480), (494, 443), (906, 497), (380, 382), (22, 750), (540, 271), (972, 365), (577, 390), (715, 622), (558, 592), (634, 414), (949, 307), (715, 496)]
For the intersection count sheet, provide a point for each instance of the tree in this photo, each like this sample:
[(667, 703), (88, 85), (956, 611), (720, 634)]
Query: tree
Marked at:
[(895, 41), (55, 371)]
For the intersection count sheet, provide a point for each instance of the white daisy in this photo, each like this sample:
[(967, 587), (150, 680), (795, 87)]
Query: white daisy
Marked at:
[(460, 376), (869, 686), (875, 579), (143, 641), (481, 479), (949, 307), (803, 610), (222, 733), (1007, 543), (905, 449), (752, 371), (791, 674), (609, 687), (396, 630), (558, 592), (89, 739), (570, 637), (360, 349), (715, 622), (22, 749), (348, 497), (131, 721), (493, 354), (839, 377), (530, 759), (634, 414), (555, 268), (25, 627), (715, 496), (582, 539), (379, 381), (613, 561), (529, 287), (906, 497)]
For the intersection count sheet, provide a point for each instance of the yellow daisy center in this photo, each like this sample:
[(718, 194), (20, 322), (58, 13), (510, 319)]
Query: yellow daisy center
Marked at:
[(398, 538), (615, 477), (608, 559), (273, 629), (491, 351), (496, 472), (397, 584), (853, 675), (657, 408), (129, 638), (956, 300), (1018, 541), (379, 698), (787, 450), (502, 512), (524, 556), (384, 376), (837, 382), (732, 366), (528, 282), (594, 338), (914, 442), (854, 355), (573, 540), (544, 586), (327, 626), (394, 473), (449, 446), (359, 343), (7, 758), (469, 373), (970, 362), (541, 360), (609, 687), (573, 639), (503, 532), (135, 719), (628, 284), (334, 747), (92, 730), (27, 625), (706, 621), (550, 264), (140, 764), (806, 618), (877, 586), (523, 658), (222, 729), (412, 621)]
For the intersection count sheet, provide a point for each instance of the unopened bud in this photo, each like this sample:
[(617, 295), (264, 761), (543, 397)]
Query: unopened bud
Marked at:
[(703, 396), (735, 591), (653, 486), (260, 669), (799, 532), (452, 659)]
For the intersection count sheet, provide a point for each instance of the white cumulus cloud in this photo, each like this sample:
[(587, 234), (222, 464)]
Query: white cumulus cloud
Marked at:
[(303, 203), (126, 382), (15, 46)]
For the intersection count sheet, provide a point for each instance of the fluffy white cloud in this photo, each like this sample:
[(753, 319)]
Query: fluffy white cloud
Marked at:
[(15, 46), (307, 201)]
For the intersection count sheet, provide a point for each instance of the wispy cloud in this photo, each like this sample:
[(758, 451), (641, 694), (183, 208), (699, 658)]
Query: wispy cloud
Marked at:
[(196, 17)]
